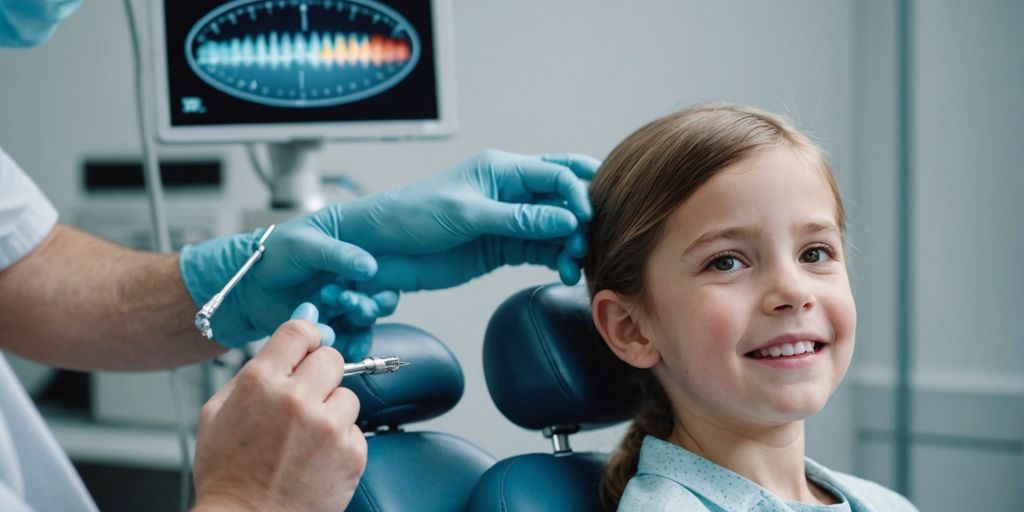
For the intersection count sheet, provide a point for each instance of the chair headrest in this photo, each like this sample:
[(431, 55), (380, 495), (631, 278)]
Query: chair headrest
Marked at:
[(427, 387), (546, 365)]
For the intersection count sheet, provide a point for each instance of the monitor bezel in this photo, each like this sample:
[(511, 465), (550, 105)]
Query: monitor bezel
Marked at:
[(444, 125)]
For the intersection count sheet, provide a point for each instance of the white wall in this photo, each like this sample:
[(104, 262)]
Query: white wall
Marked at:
[(967, 177)]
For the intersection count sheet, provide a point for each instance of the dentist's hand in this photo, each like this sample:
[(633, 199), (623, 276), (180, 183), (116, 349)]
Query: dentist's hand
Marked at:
[(494, 209), (302, 256), (281, 435), (359, 312)]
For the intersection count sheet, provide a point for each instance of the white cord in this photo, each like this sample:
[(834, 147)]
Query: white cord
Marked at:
[(162, 238), (257, 166)]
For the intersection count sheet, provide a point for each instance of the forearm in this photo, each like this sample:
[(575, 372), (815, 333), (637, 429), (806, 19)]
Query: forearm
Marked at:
[(79, 302)]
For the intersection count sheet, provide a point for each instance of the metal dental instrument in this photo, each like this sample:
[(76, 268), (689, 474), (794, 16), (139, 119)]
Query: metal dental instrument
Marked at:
[(208, 309), (375, 365)]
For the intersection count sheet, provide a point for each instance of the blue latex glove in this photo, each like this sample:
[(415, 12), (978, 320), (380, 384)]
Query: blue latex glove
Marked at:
[(360, 312), (302, 256), (25, 23), (309, 313), (494, 209)]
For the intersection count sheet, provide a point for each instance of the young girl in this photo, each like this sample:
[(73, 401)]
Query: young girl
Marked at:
[(717, 269)]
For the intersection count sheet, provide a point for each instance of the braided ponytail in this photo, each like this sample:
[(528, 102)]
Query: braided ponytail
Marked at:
[(654, 418)]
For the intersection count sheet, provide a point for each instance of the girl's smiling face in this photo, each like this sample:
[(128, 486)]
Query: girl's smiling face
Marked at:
[(748, 299)]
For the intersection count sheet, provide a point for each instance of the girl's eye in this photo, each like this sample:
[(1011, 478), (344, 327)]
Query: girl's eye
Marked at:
[(818, 254), (725, 263)]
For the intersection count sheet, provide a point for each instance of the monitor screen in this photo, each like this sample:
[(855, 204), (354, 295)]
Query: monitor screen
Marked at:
[(275, 70)]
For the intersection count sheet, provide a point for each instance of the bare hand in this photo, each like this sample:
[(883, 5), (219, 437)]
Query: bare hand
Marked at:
[(281, 435)]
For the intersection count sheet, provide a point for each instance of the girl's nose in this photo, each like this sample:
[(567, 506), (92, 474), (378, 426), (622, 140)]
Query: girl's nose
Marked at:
[(787, 291)]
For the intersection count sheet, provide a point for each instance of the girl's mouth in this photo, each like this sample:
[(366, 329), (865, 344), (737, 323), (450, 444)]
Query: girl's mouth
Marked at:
[(786, 350)]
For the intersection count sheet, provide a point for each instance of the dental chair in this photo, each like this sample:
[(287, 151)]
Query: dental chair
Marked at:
[(547, 369), (413, 471)]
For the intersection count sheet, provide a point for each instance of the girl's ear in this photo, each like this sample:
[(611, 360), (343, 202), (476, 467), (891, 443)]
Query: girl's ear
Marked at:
[(618, 322)]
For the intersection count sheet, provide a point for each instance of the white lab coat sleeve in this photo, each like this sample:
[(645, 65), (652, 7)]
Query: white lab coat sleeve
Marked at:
[(33, 468), (26, 216), (10, 501), (34, 472)]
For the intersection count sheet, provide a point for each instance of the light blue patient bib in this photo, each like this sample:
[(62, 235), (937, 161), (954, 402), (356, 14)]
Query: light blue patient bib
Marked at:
[(671, 478)]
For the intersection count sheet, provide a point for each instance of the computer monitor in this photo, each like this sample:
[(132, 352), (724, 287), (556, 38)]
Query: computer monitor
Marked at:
[(286, 70)]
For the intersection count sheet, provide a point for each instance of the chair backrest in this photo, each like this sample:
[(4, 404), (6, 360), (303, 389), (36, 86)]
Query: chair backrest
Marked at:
[(547, 369), (422, 471)]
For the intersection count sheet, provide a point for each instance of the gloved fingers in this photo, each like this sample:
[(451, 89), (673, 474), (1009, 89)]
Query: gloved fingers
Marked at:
[(355, 313), (359, 309), (365, 311), (408, 273), (387, 302), (335, 300), (345, 260), (576, 244), (518, 252), (551, 178), (529, 221), (449, 268), (353, 342), (568, 268), (554, 255), (326, 335), (577, 241), (358, 345), (584, 166), (308, 312)]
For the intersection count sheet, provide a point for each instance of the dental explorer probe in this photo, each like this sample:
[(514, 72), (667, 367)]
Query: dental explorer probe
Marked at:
[(206, 313), (375, 365)]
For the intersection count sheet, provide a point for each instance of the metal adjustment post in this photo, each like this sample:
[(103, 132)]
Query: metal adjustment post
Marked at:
[(559, 435)]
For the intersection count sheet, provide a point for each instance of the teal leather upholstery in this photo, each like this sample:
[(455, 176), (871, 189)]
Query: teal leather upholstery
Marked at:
[(415, 471), (547, 368)]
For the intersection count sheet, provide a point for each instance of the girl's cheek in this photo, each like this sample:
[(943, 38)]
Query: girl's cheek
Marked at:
[(716, 325), (843, 315)]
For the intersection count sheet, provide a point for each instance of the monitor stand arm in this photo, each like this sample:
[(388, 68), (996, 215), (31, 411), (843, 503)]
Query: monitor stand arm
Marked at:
[(295, 176)]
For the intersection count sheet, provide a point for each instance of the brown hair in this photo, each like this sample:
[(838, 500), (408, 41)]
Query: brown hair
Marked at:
[(644, 179)]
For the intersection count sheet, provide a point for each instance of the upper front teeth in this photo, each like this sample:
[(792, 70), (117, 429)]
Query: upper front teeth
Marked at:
[(788, 349)]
